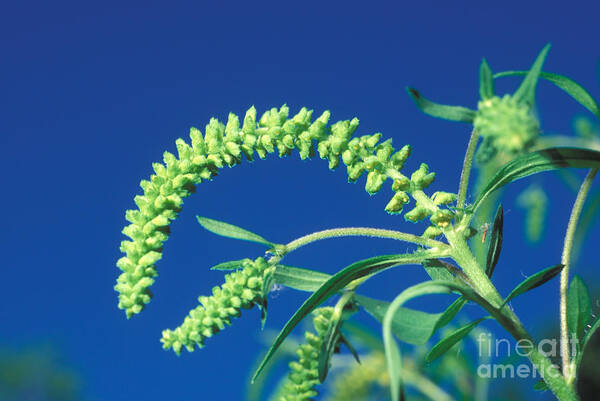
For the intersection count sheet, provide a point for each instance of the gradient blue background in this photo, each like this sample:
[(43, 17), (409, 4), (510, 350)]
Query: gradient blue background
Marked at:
[(92, 93)]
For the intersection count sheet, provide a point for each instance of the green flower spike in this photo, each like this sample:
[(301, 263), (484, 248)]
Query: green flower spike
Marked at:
[(304, 373), (224, 145), (242, 289)]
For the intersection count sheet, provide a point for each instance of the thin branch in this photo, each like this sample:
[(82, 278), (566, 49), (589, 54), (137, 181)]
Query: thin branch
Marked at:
[(564, 275), (466, 170)]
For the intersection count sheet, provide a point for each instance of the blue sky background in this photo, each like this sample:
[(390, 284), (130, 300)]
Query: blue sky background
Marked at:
[(93, 93)]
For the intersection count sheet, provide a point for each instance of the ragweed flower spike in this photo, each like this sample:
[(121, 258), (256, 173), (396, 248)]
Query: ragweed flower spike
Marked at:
[(304, 373), (242, 289), (223, 145)]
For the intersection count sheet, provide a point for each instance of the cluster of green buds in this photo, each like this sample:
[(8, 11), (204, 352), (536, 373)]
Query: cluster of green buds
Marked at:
[(304, 373), (242, 290), (359, 381), (223, 145), (506, 125)]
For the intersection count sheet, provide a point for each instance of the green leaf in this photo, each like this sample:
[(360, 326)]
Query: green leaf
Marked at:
[(486, 81), (392, 353), (331, 338), (453, 338), (534, 281), (299, 278), (540, 385), (268, 282), (453, 113), (536, 162), (579, 308), (231, 231), (231, 265), (526, 91), (572, 88), (586, 339), (337, 282), (344, 340), (495, 243), (363, 335), (409, 325), (450, 312), (438, 270)]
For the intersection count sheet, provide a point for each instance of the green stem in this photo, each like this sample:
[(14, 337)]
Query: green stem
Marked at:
[(564, 275), (466, 170), (506, 317), (428, 388), (362, 232)]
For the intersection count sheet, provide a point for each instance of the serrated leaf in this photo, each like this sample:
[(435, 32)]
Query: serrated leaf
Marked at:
[(534, 281), (526, 91), (579, 308), (453, 113), (450, 312), (452, 339), (537, 162), (231, 231), (299, 278), (495, 243), (334, 284), (486, 81), (409, 325), (231, 265), (571, 87)]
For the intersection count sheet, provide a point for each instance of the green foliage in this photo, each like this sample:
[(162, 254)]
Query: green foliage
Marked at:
[(509, 131)]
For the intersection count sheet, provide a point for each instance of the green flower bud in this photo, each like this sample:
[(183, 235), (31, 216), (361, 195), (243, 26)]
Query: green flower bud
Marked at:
[(442, 218), (511, 126), (416, 214), (401, 184), (397, 202), (400, 157), (443, 198), (374, 182), (432, 232)]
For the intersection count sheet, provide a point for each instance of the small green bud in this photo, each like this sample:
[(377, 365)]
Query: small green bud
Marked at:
[(374, 182), (442, 218), (432, 232), (397, 202), (443, 198), (401, 184), (416, 214)]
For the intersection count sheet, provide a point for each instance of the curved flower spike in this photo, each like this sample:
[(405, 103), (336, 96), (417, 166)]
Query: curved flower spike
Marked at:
[(223, 145)]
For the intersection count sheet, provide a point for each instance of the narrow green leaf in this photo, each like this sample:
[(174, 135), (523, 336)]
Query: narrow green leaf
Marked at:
[(593, 327), (453, 113), (486, 81), (540, 385), (495, 243), (363, 335), (450, 312), (331, 338), (344, 340), (571, 87), (526, 91), (534, 281), (453, 338), (337, 282), (231, 231), (392, 353), (579, 308), (268, 282), (536, 162), (231, 265), (438, 270), (299, 278), (409, 325)]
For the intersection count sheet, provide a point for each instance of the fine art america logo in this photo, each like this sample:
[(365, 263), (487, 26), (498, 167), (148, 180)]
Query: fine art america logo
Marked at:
[(502, 348)]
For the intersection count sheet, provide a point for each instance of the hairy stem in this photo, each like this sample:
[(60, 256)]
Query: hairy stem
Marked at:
[(507, 318), (564, 275), (466, 170), (362, 232)]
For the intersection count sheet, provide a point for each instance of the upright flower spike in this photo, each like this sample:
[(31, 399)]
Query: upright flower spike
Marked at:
[(242, 290), (304, 373), (223, 145)]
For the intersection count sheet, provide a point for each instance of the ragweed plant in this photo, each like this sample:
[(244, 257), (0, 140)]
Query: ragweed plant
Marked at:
[(504, 132)]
